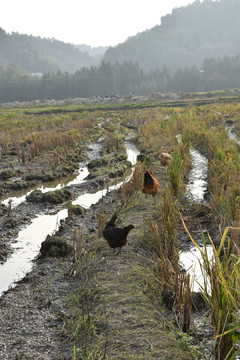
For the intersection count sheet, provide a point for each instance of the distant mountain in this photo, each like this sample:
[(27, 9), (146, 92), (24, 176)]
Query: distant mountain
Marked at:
[(185, 38), (93, 51), (37, 55)]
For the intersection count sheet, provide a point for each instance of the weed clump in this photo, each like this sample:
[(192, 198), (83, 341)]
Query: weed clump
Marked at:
[(55, 246), (52, 197)]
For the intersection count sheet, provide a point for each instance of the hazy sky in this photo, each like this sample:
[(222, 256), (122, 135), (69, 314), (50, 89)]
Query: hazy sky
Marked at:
[(90, 22)]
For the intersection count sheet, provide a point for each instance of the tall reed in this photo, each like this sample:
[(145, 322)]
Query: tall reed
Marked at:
[(78, 244), (128, 189), (223, 300), (102, 219), (174, 172), (164, 268), (183, 300), (172, 284), (168, 215)]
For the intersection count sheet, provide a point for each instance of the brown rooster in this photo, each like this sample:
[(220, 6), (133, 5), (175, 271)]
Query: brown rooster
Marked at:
[(116, 236), (150, 185)]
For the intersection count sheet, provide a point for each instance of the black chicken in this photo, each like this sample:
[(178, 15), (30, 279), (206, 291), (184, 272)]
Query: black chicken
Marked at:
[(116, 236)]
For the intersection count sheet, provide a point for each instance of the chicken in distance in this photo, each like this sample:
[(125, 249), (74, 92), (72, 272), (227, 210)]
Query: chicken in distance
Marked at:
[(150, 184), (165, 157)]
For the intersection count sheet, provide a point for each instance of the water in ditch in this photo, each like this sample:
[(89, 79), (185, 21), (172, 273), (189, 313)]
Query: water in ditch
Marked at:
[(20, 196), (26, 246), (195, 191)]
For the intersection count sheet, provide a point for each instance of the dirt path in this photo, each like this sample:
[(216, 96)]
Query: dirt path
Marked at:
[(135, 331), (114, 295)]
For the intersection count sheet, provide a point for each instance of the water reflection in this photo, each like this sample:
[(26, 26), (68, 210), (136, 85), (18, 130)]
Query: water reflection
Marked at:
[(195, 191), (20, 196), (30, 238), (88, 199), (197, 180), (231, 134), (132, 153), (192, 261), (27, 246)]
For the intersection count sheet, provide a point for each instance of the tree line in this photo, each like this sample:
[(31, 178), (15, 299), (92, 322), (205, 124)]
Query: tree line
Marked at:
[(118, 79)]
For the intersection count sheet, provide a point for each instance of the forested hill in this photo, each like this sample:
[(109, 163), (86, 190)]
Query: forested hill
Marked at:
[(185, 38), (37, 55)]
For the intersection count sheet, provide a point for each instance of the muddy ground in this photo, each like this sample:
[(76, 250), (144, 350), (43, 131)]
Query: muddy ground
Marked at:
[(99, 308)]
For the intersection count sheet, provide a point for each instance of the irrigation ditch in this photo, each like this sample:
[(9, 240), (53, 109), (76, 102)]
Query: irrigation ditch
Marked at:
[(26, 247)]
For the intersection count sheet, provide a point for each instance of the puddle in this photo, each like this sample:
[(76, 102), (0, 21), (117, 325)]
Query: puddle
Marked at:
[(231, 134), (191, 261), (88, 199), (132, 153), (196, 189), (195, 192), (20, 196), (28, 242), (197, 180), (27, 246)]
